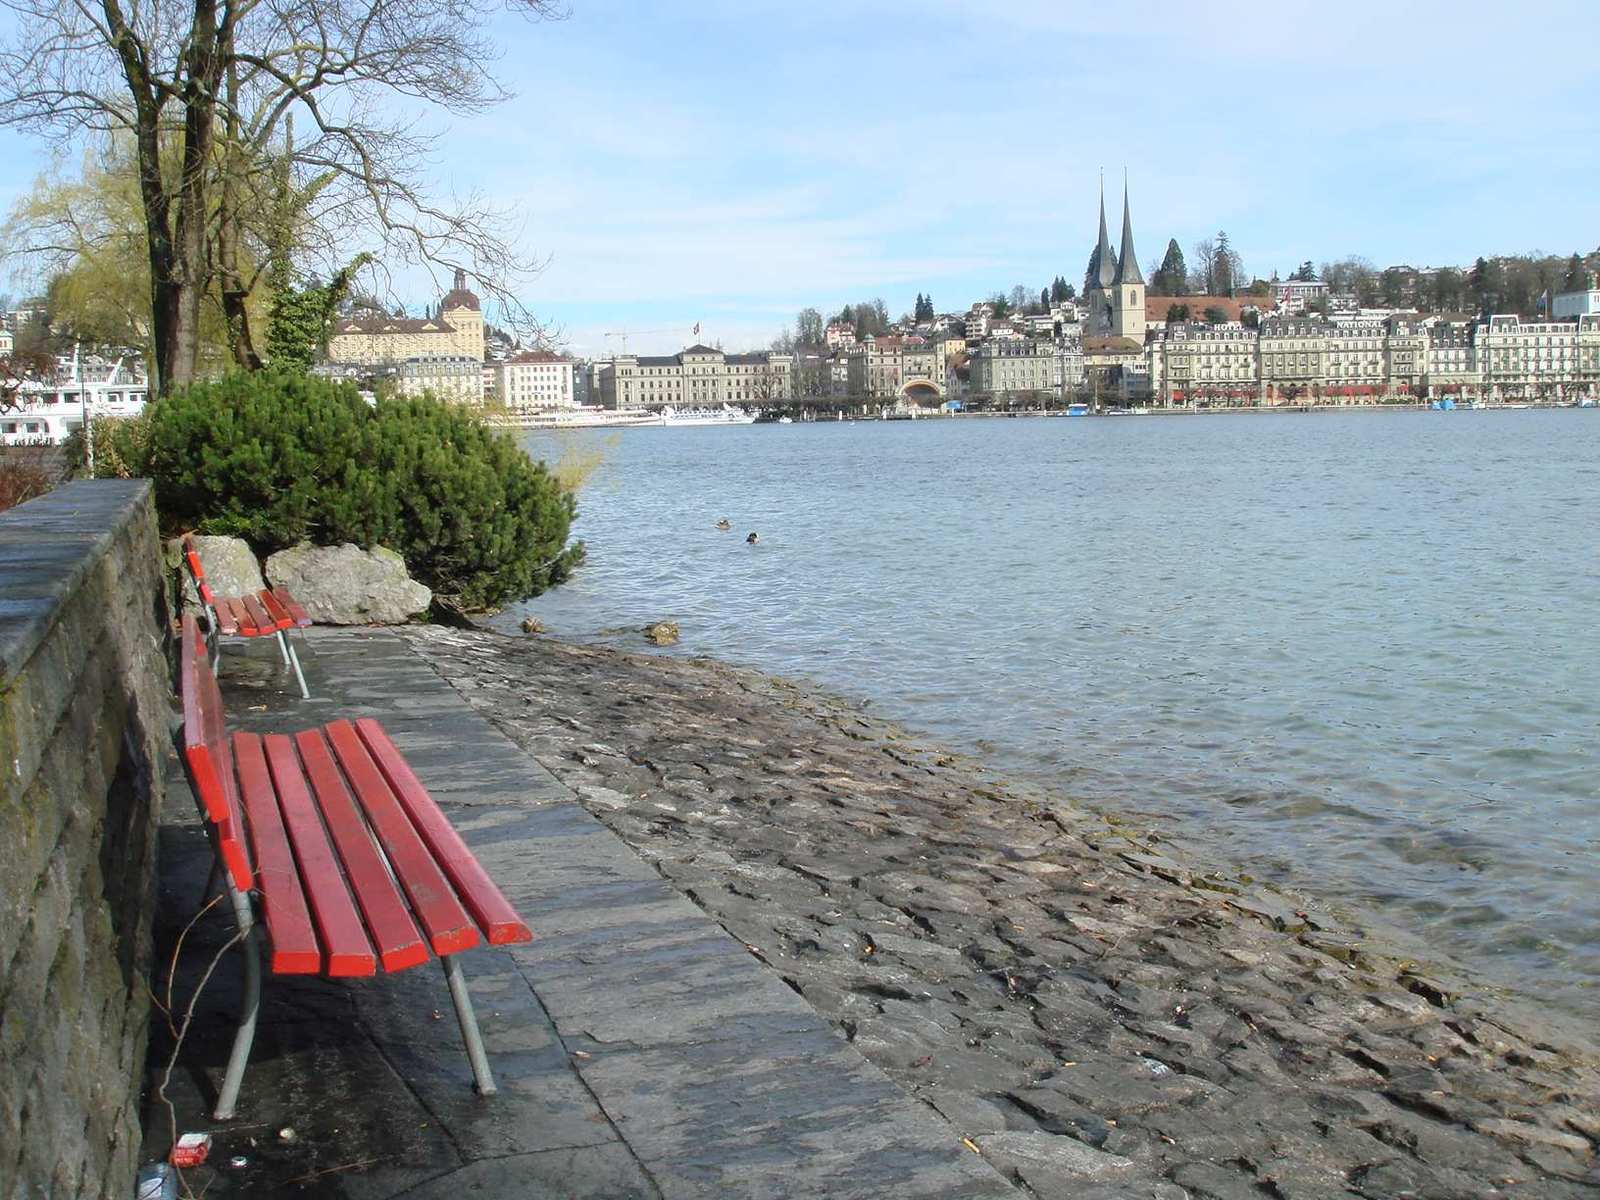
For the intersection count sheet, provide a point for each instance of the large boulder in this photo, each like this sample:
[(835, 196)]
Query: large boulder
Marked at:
[(346, 585), (229, 563)]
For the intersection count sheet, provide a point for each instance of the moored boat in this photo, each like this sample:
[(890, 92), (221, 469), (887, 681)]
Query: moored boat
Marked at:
[(725, 415)]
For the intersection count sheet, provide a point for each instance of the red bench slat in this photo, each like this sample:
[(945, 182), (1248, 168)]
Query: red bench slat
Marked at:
[(229, 615), (432, 899), (259, 622), (488, 905), (293, 607), (283, 904), (344, 939), (205, 747), (395, 934), (276, 614)]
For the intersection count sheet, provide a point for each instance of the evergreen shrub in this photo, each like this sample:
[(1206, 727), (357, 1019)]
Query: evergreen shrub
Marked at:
[(279, 458), (121, 447), (473, 516)]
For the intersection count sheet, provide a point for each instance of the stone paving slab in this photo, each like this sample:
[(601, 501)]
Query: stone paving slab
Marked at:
[(641, 1051)]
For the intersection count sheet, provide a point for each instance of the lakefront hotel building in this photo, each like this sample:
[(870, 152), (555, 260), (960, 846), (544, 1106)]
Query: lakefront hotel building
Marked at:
[(1290, 360), (699, 377)]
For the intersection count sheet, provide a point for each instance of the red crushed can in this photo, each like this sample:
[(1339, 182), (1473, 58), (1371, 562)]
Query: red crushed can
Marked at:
[(191, 1150)]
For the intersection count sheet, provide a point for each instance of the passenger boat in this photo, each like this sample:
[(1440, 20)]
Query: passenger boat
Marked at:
[(48, 413), (584, 417), (725, 415)]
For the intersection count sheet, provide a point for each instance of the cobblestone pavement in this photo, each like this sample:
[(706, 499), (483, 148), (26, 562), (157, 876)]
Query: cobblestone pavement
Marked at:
[(1093, 1011), (640, 1050)]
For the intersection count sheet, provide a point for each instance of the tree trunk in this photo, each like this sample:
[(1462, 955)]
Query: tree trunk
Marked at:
[(235, 293), (190, 272)]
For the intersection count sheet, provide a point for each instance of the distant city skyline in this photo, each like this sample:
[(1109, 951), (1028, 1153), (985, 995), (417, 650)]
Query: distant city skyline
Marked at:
[(727, 164)]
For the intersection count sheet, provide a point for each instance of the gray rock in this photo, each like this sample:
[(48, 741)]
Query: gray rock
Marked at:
[(1532, 1135), (230, 566), (971, 1115), (346, 585), (1049, 1162)]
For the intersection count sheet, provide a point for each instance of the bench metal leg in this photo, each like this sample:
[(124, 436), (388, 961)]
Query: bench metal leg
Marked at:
[(293, 659), (469, 1025), (228, 1096)]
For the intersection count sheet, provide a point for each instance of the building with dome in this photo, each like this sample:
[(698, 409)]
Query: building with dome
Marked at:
[(456, 333)]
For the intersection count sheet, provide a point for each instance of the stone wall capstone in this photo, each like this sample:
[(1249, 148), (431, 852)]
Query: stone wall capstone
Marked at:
[(84, 711)]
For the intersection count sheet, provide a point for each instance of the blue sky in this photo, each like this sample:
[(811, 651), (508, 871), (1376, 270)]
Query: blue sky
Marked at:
[(728, 163)]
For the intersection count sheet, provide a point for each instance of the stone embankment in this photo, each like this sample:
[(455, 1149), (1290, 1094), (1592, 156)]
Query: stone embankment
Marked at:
[(1095, 1016)]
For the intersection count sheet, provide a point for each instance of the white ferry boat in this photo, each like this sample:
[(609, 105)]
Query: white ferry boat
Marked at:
[(726, 415), (584, 417), (48, 413)]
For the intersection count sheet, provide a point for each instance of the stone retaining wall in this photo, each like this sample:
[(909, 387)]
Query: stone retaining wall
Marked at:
[(84, 709)]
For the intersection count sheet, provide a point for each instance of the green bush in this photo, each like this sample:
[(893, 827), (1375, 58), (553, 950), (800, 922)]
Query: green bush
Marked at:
[(278, 458), (121, 447), (473, 516), (273, 458)]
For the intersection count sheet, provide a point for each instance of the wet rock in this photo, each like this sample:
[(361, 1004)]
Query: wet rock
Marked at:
[(662, 633)]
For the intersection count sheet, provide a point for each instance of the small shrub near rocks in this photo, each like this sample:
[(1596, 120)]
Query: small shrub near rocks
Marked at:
[(280, 458), (26, 472), (121, 446)]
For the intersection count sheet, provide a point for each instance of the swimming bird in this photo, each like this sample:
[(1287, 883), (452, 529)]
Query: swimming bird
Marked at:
[(724, 524), (752, 540)]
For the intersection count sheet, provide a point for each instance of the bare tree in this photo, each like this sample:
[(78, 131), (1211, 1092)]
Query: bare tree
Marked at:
[(808, 330), (206, 89), (16, 370), (1204, 256)]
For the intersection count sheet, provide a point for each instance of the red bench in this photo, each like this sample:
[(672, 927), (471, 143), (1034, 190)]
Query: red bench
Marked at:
[(271, 612), (333, 852)]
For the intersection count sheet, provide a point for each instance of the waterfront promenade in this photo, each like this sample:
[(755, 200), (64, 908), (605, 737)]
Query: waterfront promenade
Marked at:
[(640, 1050), (785, 949)]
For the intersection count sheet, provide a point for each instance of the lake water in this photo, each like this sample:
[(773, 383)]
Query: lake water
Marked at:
[(1353, 653)]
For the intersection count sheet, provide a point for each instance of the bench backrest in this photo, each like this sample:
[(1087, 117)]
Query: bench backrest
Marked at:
[(191, 559), (209, 756)]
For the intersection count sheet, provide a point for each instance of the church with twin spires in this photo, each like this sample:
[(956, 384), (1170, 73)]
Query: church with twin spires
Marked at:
[(1116, 293)]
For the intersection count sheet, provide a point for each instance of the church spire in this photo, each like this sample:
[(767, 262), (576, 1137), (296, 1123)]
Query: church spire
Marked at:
[(1127, 261), (1105, 260)]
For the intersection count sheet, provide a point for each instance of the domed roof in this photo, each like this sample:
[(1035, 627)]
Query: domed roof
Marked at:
[(458, 296)]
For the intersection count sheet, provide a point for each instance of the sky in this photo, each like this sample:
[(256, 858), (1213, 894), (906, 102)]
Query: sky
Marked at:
[(728, 162)]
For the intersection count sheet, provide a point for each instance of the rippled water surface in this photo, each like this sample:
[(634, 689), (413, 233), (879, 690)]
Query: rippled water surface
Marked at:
[(1358, 653)]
